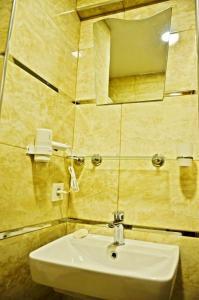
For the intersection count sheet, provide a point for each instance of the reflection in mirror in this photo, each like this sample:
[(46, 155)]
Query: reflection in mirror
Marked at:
[(131, 58), (6, 8)]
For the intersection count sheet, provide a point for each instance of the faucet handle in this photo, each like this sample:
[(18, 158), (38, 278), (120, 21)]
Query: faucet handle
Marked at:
[(118, 216)]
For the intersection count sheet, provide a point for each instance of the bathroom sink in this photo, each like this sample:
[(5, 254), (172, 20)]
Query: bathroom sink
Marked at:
[(93, 266)]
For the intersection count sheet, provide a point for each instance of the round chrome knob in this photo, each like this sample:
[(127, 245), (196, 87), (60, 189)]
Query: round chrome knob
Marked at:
[(158, 160)]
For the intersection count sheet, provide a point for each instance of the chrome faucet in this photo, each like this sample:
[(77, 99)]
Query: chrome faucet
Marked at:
[(118, 228)]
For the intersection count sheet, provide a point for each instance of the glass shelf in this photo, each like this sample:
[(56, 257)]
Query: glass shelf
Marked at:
[(115, 157), (107, 157)]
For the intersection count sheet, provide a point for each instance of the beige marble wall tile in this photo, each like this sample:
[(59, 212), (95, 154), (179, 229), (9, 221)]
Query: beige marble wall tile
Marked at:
[(97, 130), (26, 189), (57, 41), (187, 77), (15, 278), (165, 198), (180, 124), (132, 3), (86, 65), (102, 41), (137, 88), (90, 8), (149, 87), (5, 11), (29, 104), (182, 74), (183, 13), (85, 88), (149, 128), (97, 198), (84, 3), (86, 30), (64, 119), (122, 89)]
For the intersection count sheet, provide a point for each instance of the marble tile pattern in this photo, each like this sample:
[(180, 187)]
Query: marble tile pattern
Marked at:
[(187, 281), (98, 185), (86, 29), (15, 278), (170, 197), (97, 198), (43, 38), (102, 40), (97, 130), (183, 24), (183, 13), (5, 12), (149, 128), (57, 41), (85, 89), (89, 8), (26, 189), (86, 64), (28, 104), (136, 88), (135, 3), (176, 64)]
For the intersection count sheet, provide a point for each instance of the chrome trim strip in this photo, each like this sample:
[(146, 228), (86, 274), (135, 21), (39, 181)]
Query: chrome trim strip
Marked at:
[(136, 227), (166, 94), (32, 73), (184, 157), (179, 93), (30, 228), (2, 83)]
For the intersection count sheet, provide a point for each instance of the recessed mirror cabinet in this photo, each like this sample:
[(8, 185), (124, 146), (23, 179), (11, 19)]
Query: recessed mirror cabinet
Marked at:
[(131, 58)]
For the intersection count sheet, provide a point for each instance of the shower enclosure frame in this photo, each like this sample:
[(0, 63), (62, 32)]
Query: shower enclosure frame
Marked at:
[(5, 60)]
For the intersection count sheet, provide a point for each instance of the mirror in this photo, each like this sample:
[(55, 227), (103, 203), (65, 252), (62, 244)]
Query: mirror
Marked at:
[(6, 7), (131, 58)]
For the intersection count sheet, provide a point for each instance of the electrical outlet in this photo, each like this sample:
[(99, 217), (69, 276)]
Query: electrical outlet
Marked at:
[(55, 188)]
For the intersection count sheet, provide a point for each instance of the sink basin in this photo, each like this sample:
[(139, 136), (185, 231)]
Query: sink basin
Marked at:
[(93, 266)]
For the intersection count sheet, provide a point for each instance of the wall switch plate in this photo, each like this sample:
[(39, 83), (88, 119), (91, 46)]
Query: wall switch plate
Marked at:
[(55, 188)]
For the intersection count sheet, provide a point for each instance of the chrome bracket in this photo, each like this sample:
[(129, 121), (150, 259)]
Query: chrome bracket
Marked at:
[(96, 160), (158, 160), (79, 160)]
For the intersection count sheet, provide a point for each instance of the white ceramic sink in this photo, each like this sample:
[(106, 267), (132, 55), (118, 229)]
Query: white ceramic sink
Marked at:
[(92, 266)]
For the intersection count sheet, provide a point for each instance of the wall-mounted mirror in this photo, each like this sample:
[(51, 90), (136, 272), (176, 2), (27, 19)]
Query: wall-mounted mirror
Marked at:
[(6, 9), (131, 58)]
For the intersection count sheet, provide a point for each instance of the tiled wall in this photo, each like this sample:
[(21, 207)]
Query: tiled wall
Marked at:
[(43, 39), (45, 35), (168, 197), (89, 8), (5, 12)]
